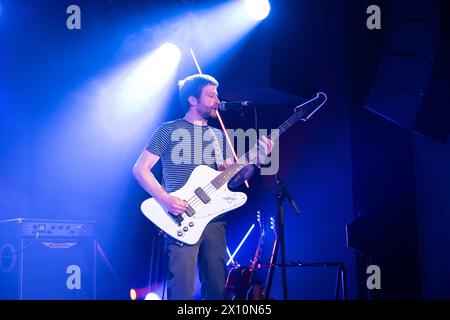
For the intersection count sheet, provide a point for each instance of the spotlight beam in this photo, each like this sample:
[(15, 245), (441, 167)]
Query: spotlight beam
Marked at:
[(241, 243), (257, 9)]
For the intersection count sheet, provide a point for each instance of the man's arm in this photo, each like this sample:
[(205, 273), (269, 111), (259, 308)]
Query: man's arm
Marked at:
[(142, 172), (244, 174), (247, 172)]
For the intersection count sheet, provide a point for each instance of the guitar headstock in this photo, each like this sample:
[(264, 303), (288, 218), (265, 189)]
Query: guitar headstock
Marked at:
[(305, 110), (273, 226), (260, 217)]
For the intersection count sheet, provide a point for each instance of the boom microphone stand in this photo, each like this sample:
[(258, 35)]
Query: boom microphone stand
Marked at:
[(281, 194)]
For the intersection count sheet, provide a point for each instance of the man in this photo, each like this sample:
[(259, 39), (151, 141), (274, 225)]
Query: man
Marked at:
[(198, 93)]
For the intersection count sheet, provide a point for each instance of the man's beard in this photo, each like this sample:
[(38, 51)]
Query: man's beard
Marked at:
[(211, 114)]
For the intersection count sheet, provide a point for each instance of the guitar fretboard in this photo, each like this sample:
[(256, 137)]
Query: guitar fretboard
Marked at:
[(304, 111), (249, 157)]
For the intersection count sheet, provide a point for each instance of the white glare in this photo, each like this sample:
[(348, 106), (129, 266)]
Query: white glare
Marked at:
[(170, 53), (152, 296), (127, 99), (257, 9), (148, 76)]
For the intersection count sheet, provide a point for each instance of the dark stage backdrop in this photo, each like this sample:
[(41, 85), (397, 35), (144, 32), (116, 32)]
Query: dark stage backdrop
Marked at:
[(346, 160)]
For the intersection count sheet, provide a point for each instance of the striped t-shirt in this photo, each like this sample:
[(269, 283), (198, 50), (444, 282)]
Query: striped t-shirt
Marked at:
[(182, 146)]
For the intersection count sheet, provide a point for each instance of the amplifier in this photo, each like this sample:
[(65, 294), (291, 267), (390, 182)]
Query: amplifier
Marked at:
[(47, 259), (56, 228)]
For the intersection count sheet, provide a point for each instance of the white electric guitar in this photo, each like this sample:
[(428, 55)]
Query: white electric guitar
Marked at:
[(206, 190)]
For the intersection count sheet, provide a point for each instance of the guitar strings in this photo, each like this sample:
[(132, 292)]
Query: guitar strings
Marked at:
[(197, 201), (209, 187), (194, 201)]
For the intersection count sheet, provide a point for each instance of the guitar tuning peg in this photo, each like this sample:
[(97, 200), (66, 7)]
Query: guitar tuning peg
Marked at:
[(272, 223)]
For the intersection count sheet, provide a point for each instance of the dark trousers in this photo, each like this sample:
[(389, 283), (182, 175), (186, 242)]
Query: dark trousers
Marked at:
[(210, 253)]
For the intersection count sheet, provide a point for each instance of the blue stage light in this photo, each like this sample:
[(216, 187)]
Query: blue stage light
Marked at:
[(257, 9)]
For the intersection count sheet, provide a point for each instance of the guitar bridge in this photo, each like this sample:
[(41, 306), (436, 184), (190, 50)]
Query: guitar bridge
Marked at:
[(202, 195)]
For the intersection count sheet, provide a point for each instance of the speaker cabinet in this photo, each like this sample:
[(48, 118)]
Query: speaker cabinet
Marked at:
[(47, 259), (411, 88)]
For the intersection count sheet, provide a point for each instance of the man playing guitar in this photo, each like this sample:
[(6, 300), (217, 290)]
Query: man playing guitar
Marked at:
[(198, 93)]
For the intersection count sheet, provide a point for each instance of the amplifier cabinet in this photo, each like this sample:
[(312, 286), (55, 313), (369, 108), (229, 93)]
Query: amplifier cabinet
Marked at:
[(47, 259)]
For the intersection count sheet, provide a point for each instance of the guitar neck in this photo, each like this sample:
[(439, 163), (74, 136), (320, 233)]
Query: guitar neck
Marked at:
[(258, 249), (303, 112), (273, 258), (249, 157)]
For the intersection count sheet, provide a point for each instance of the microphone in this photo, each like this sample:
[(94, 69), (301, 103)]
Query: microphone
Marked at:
[(224, 106)]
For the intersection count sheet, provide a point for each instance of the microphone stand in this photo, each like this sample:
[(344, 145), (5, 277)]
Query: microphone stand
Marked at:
[(281, 194)]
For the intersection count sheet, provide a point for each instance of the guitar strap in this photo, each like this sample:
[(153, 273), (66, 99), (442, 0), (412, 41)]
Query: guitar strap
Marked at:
[(217, 150)]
